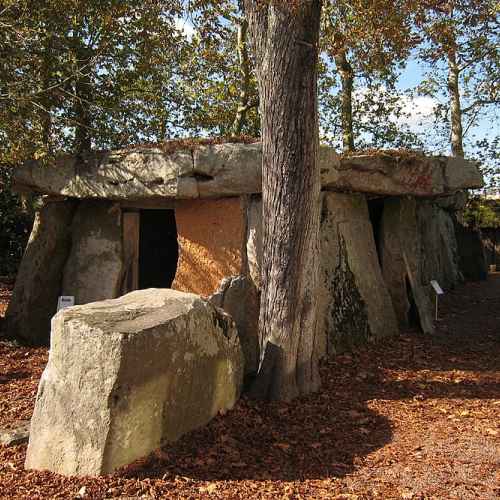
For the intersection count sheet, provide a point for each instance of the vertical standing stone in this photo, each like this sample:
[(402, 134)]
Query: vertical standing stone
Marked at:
[(94, 267), (39, 279), (353, 298)]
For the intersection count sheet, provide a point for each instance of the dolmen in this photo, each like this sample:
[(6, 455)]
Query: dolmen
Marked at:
[(189, 218), (160, 250)]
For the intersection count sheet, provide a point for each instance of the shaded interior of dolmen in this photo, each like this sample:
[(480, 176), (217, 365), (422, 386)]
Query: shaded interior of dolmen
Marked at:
[(158, 248), (375, 211)]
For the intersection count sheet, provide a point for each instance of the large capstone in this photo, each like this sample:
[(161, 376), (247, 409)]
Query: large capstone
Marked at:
[(221, 170), (126, 375)]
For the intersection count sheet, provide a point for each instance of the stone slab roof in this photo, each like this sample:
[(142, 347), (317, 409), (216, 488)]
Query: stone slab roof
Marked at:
[(231, 169)]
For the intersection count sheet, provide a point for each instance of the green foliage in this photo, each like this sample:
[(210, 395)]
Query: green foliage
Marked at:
[(15, 224), (463, 33), (482, 213)]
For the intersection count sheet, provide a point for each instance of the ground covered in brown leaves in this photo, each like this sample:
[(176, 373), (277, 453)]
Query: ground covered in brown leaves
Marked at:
[(414, 417)]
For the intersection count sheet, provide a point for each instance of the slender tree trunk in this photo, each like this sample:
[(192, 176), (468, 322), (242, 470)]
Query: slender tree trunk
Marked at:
[(82, 98), (285, 40), (46, 112), (347, 80), (457, 148), (244, 66)]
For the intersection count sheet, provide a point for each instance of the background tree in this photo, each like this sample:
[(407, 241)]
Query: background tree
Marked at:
[(460, 43), (364, 44)]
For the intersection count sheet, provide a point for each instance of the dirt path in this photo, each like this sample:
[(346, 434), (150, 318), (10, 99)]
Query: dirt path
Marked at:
[(414, 417)]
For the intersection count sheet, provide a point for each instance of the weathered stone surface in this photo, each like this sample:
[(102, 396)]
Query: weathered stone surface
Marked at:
[(472, 259), (235, 169), (93, 270), (353, 302), (461, 174), (415, 175), (39, 279), (17, 434), (440, 260), (239, 297), (454, 202), (124, 375), (392, 259), (401, 240)]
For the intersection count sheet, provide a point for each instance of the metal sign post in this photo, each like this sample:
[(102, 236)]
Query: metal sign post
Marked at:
[(439, 291)]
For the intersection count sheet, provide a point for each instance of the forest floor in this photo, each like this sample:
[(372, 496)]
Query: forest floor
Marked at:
[(413, 417)]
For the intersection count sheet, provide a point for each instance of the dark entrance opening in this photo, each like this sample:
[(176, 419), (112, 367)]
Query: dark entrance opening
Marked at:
[(413, 316), (376, 209), (158, 249)]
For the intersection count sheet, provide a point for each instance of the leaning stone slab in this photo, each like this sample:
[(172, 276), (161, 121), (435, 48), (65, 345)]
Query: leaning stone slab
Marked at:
[(39, 279), (354, 304), (401, 256), (126, 375)]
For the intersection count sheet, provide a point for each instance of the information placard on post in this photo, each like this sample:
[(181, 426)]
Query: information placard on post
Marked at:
[(437, 288), (439, 291), (65, 301)]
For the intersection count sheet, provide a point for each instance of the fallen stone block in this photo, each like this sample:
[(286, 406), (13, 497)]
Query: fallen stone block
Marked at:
[(128, 374), (17, 434)]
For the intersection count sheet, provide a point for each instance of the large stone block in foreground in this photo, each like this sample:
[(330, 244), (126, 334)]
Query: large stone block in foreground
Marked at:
[(127, 374)]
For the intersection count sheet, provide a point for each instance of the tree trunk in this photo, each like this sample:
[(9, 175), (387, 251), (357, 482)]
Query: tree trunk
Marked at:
[(285, 41), (46, 97), (457, 148), (347, 80), (82, 98), (244, 63)]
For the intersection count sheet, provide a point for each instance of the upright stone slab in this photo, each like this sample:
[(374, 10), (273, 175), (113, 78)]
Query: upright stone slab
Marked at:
[(353, 301), (239, 297), (401, 254), (392, 259), (94, 267), (440, 260), (127, 374), (39, 279)]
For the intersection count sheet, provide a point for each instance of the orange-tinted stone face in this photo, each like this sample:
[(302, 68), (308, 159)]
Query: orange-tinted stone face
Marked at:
[(211, 237)]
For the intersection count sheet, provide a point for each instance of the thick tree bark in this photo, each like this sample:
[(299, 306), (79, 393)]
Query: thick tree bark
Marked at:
[(457, 148), (347, 80), (285, 41)]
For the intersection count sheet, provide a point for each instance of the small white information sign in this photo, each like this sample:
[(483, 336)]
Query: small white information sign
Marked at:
[(65, 301), (437, 288)]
